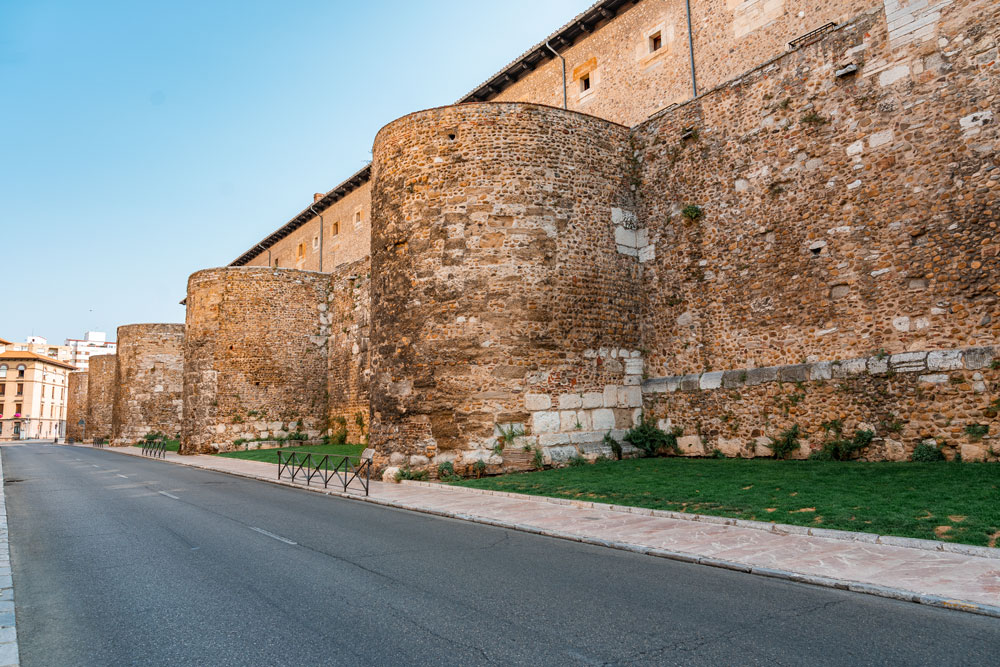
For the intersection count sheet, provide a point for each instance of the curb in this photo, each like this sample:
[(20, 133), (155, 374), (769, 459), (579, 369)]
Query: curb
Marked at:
[(680, 556), (766, 526), (9, 654)]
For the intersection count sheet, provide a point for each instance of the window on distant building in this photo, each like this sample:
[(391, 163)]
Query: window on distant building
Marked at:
[(357, 218), (17, 408), (584, 83), (3, 390), (655, 42), (20, 389), (315, 242), (3, 371), (301, 251), (20, 370), (334, 229)]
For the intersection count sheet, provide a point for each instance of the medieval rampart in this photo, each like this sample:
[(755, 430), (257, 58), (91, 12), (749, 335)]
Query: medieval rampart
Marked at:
[(831, 215), (255, 356), (149, 383), (100, 396), (349, 374), (497, 284), (76, 406)]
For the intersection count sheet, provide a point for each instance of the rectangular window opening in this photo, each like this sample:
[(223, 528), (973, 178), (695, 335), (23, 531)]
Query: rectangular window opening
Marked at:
[(334, 229), (584, 83), (655, 42)]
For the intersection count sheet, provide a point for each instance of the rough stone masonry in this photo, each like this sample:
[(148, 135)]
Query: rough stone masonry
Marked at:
[(811, 238)]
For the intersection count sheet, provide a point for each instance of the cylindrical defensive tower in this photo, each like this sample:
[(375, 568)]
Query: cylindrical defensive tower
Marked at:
[(100, 396), (150, 382), (496, 280), (255, 356), (76, 406)]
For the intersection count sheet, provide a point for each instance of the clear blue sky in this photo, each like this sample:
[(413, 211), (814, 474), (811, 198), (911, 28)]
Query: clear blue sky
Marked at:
[(143, 141)]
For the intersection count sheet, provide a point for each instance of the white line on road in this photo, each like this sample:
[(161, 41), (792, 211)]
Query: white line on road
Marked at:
[(95, 465), (122, 476), (273, 536), (168, 495)]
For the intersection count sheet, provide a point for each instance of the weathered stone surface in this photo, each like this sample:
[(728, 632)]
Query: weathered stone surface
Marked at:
[(149, 382), (502, 248), (535, 402), (944, 360), (76, 406), (250, 355), (100, 396), (603, 419), (545, 422)]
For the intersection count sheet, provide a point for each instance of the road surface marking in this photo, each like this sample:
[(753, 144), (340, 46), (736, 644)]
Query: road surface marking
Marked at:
[(95, 465), (273, 536), (122, 476), (168, 495)]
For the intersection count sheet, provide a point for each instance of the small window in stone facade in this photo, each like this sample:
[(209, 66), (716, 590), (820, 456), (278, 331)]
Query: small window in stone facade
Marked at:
[(584, 83), (655, 42), (334, 229), (357, 219), (301, 251), (315, 242)]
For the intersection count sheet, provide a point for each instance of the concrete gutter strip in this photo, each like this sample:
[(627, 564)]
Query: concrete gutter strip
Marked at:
[(777, 528), (786, 575), (9, 655)]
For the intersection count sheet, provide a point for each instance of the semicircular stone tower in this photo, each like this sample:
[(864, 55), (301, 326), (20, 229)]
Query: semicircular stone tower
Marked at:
[(150, 382), (100, 396), (76, 406), (504, 261), (255, 356)]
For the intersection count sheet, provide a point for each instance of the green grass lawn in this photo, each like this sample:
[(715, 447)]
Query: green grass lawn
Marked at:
[(172, 445), (957, 502), (269, 455)]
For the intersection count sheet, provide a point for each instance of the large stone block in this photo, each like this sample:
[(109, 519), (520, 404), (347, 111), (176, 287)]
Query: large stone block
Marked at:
[(545, 422)]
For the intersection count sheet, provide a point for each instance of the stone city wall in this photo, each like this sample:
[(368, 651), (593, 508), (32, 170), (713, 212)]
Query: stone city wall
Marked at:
[(100, 396), (255, 356), (836, 215), (349, 374), (76, 405), (497, 281), (149, 382), (841, 216), (941, 397)]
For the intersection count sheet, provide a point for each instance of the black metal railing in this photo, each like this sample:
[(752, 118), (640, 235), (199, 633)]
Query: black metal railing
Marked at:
[(156, 448), (811, 36), (98, 443), (297, 464)]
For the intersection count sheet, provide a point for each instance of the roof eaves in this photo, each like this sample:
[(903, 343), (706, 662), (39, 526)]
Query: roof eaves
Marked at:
[(562, 38), (355, 181)]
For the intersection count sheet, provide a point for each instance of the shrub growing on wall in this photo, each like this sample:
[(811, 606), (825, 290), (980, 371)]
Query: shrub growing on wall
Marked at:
[(786, 443), (652, 440)]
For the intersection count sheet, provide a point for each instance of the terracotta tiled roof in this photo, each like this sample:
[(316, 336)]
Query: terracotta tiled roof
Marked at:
[(15, 355)]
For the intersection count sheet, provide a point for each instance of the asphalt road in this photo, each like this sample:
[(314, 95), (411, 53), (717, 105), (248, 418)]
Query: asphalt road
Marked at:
[(124, 561)]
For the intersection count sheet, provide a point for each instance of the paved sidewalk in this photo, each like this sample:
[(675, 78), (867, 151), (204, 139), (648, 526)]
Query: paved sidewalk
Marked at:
[(945, 579), (8, 624)]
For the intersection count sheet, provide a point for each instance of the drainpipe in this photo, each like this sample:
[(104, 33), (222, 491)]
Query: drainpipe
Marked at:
[(565, 95), (694, 80), (320, 216)]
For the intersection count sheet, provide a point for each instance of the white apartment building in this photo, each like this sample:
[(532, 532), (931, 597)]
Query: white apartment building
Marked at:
[(92, 344)]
